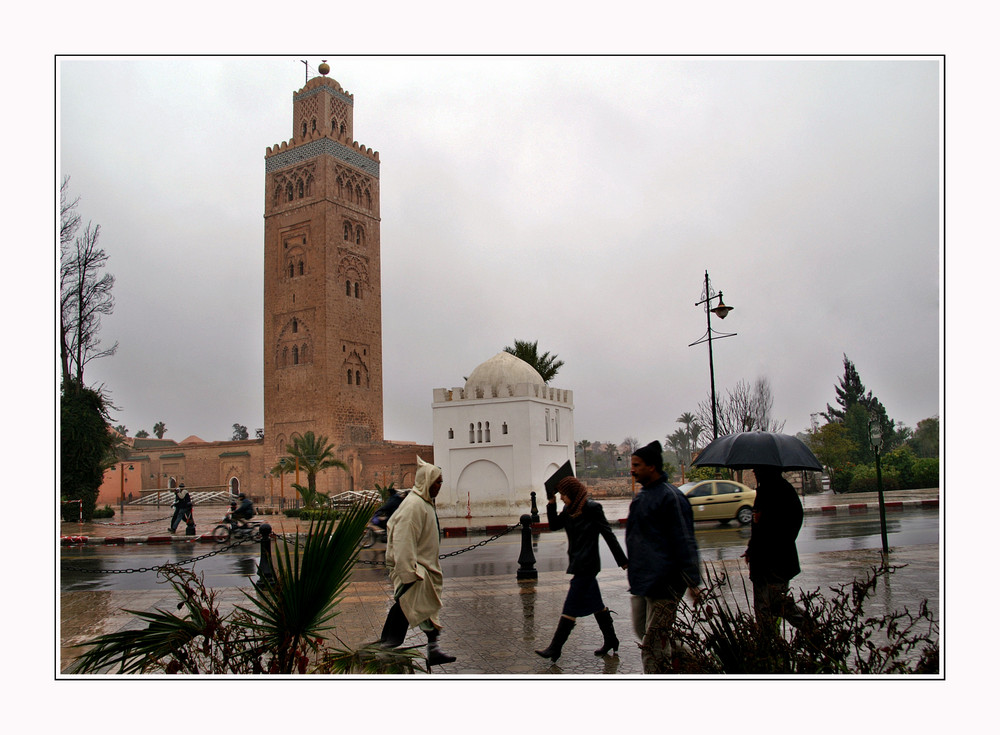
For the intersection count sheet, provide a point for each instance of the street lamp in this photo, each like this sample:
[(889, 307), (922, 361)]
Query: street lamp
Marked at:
[(721, 311), (875, 437)]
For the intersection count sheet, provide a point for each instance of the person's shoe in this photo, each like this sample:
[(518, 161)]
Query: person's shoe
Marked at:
[(395, 628), (611, 641), (554, 651), (435, 656)]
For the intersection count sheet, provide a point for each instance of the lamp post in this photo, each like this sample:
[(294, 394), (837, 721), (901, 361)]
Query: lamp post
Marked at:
[(875, 436), (720, 311)]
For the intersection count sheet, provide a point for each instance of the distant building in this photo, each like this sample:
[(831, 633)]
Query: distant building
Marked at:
[(322, 323), (498, 438)]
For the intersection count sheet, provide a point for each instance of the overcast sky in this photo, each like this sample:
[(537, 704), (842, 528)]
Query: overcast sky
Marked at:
[(577, 201)]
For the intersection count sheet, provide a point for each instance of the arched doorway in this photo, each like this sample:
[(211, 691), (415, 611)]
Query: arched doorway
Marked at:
[(234, 486)]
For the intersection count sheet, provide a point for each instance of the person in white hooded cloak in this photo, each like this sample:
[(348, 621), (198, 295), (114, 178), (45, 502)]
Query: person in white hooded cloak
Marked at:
[(411, 556)]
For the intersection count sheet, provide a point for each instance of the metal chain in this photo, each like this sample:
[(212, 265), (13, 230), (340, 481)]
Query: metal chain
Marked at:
[(245, 540), (157, 568), (454, 553)]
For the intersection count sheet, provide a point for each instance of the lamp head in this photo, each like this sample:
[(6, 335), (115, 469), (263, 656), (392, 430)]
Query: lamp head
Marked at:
[(721, 310)]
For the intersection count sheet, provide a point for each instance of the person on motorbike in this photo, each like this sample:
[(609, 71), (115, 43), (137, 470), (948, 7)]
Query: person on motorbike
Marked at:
[(382, 515), (242, 512)]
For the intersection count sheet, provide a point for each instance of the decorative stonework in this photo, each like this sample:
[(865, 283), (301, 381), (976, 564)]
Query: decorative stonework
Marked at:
[(291, 156)]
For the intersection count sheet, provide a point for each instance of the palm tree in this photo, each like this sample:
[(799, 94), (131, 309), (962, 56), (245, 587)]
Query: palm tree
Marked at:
[(280, 631), (546, 365), (159, 428), (312, 454)]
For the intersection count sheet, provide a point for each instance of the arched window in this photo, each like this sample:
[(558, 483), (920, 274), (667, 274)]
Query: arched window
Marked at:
[(451, 433), (348, 288), (479, 432), (357, 290), (472, 433), (343, 128), (357, 377), (302, 189), (347, 230), (302, 268), (504, 427), (290, 192), (314, 125), (350, 377), (487, 432), (291, 270), (295, 355), (357, 236), (295, 326), (303, 128)]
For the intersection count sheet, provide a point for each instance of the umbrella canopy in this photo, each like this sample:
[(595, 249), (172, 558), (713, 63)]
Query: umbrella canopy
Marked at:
[(758, 449)]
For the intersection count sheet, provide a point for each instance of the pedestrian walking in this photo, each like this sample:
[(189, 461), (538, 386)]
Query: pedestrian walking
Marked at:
[(584, 522), (771, 552), (182, 507), (663, 558), (411, 556)]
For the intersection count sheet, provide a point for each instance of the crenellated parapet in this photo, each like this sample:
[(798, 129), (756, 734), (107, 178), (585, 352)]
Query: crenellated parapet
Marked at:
[(292, 152), (520, 390)]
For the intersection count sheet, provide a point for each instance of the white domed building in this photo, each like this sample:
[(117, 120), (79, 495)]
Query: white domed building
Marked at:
[(498, 438)]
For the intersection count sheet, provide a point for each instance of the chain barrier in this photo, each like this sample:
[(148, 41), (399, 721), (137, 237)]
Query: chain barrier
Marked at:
[(158, 567), (453, 553), (277, 536)]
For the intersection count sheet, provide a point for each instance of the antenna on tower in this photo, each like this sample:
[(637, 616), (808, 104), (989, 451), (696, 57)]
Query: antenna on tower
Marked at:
[(307, 69)]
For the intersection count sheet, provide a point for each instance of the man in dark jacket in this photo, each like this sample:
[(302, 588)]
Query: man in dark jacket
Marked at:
[(771, 552), (663, 557), (182, 507)]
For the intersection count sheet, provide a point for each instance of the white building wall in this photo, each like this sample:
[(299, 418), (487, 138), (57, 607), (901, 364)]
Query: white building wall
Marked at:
[(496, 477)]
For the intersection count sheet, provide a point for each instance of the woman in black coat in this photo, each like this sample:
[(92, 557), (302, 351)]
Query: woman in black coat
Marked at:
[(584, 521)]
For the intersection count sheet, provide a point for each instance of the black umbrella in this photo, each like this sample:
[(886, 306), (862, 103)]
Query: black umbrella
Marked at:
[(758, 449)]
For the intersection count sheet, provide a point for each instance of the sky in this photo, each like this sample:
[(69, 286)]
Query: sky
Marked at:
[(573, 200)]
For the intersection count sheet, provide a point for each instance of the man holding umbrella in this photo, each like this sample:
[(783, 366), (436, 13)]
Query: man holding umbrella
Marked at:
[(777, 513), (771, 553)]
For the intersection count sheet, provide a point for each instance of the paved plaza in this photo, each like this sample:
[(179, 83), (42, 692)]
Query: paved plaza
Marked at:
[(493, 624)]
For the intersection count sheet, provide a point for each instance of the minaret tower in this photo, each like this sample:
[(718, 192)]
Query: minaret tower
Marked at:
[(322, 281)]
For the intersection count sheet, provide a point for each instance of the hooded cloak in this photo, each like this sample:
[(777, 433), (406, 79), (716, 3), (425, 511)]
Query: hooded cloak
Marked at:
[(412, 549)]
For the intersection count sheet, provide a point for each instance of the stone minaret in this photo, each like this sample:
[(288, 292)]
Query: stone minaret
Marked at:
[(322, 281)]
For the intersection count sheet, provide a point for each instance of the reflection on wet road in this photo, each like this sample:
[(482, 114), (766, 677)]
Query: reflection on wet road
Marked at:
[(715, 542)]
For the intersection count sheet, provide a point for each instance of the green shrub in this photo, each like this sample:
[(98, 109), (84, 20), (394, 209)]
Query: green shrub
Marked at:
[(318, 514), (865, 480), (293, 512), (926, 472), (106, 512)]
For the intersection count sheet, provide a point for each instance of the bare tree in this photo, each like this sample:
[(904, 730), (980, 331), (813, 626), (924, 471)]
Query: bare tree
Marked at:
[(745, 408), (85, 292)]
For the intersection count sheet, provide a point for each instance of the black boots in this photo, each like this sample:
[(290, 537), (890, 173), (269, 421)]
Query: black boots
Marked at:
[(394, 630), (608, 629), (435, 656), (554, 651)]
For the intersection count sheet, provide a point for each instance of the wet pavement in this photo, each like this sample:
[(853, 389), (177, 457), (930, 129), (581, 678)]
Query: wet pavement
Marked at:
[(493, 624)]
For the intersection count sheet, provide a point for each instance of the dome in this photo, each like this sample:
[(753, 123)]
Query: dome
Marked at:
[(500, 370)]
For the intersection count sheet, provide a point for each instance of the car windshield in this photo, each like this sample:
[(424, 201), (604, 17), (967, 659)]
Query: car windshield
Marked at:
[(686, 487)]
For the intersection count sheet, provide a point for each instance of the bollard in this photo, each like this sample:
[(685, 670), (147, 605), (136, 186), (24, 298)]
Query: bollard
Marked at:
[(265, 570), (527, 557), (534, 509)]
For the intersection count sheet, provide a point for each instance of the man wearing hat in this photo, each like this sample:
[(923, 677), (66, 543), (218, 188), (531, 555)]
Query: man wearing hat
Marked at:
[(663, 557)]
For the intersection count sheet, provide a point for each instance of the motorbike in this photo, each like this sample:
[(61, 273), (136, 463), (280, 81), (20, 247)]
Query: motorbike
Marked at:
[(230, 528), (374, 532)]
